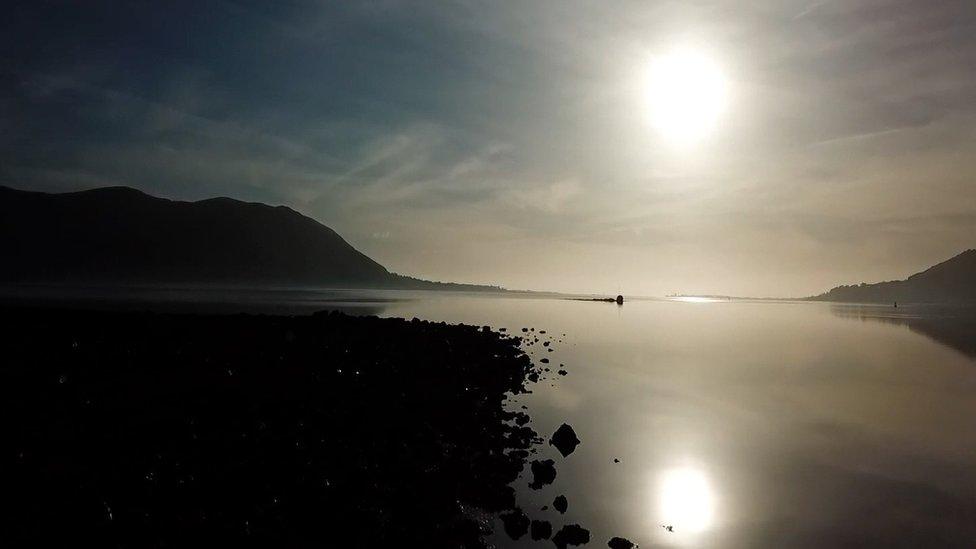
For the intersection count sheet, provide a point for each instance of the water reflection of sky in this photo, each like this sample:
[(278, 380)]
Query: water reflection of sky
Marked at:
[(746, 424), (741, 425)]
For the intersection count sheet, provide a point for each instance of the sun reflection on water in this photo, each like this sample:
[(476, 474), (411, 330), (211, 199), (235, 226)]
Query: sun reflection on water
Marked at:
[(686, 501), (696, 299)]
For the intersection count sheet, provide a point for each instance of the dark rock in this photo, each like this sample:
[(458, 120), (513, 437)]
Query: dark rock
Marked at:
[(541, 529), (543, 473), (329, 440), (516, 523), (620, 543), (544, 360), (565, 440), (571, 534), (562, 372), (560, 504), (615, 460)]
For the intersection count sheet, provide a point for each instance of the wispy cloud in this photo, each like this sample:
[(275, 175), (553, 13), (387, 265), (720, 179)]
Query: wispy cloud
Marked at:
[(497, 142)]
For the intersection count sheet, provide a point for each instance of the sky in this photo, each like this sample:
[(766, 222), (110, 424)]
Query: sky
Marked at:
[(514, 143)]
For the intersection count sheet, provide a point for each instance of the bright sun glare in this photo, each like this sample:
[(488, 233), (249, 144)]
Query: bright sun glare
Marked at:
[(686, 500), (686, 93)]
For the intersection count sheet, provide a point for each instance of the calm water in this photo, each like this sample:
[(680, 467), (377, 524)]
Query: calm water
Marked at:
[(742, 424), (747, 424)]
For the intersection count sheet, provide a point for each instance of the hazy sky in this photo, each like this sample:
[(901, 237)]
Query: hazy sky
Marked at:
[(511, 142)]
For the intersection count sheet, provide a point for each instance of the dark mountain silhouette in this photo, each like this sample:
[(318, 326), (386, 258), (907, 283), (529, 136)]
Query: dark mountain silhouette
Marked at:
[(119, 235), (952, 281)]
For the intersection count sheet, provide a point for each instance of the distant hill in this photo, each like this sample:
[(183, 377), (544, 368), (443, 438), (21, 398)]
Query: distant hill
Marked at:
[(119, 235), (952, 281)]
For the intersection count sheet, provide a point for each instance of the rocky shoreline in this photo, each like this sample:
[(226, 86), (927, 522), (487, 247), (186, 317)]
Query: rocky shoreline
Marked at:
[(139, 429)]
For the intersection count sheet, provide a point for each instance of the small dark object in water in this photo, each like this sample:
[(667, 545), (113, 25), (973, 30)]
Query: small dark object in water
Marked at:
[(668, 527), (544, 360), (598, 300), (562, 372), (572, 534), (545, 343), (620, 543), (516, 523), (541, 529), (560, 504), (896, 304), (615, 460), (565, 440), (543, 473), (620, 300)]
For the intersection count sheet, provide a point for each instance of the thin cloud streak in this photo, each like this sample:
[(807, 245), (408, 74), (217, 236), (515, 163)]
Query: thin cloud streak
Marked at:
[(509, 144)]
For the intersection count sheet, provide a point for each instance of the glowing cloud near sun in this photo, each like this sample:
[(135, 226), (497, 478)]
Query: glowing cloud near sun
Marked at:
[(686, 93)]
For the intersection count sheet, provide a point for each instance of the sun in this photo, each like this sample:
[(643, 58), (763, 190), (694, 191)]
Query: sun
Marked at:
[(686, 94)]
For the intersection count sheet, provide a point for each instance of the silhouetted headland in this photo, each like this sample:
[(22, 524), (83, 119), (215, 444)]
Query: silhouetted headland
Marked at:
[(952, 281), (122, 236)]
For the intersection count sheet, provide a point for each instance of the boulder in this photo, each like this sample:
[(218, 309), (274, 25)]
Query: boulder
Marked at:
[(565, 440)]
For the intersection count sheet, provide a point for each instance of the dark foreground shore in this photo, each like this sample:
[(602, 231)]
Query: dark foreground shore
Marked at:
[(154, 430)]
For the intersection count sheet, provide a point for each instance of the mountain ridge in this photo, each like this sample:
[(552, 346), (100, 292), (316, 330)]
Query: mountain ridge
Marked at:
[(949, 281), (122, 235)]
